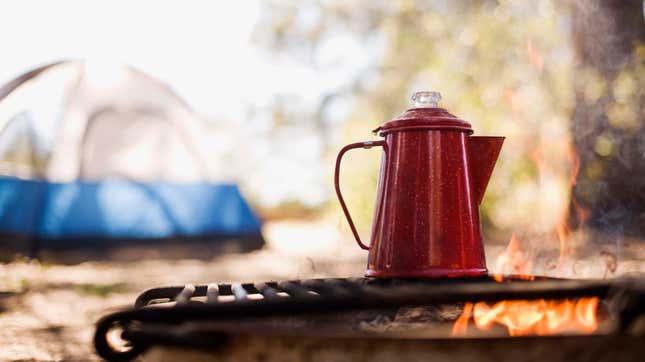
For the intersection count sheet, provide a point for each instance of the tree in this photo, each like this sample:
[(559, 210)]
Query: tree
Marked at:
[(506, 67), (608, 124)]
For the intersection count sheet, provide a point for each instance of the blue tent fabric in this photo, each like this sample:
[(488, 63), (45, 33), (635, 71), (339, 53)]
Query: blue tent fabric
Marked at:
[(122, 209), (112, 140)]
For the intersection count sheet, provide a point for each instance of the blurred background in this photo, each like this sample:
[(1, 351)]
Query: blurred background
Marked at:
[(175, 128)]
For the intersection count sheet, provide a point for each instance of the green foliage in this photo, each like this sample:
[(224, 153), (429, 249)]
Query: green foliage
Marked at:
[(504, 66)]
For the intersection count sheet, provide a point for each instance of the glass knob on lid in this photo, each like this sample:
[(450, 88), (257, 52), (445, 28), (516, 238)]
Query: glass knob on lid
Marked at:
[(426, 99)]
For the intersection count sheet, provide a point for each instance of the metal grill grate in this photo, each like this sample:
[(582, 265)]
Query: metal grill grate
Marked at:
[(442, 290), (175, 306)]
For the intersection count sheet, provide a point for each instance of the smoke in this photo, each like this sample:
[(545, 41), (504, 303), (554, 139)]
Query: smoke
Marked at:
[(607, 126)]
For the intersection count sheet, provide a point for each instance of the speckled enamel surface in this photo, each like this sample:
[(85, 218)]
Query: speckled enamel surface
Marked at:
[(433, 176)]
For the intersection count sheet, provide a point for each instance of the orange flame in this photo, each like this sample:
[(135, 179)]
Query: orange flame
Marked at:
[(574, 158), (535, 58), (461, 324), (563, 231), (581, 214), (563, 228), (514, 261), (538, 317)]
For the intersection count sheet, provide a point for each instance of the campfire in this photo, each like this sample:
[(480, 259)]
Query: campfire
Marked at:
[(524, 317), (541, 317), (427, 283), (338, 311)]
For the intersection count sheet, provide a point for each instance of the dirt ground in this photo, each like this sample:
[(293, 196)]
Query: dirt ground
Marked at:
[(48, 310)]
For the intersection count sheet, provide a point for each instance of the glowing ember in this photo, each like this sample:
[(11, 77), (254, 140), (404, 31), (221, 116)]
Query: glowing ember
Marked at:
[(537, 317)]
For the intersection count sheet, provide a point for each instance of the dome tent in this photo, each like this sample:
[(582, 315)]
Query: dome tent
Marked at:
[(94, 156)]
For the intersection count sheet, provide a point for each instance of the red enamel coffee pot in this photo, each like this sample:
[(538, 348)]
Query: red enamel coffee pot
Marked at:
[(432, 181)]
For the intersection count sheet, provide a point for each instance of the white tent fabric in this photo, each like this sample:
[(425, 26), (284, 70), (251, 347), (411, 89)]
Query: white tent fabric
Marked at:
[(96, 155), (77, 120)]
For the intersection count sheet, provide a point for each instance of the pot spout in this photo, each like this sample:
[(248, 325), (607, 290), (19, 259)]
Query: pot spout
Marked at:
[(482, 156)]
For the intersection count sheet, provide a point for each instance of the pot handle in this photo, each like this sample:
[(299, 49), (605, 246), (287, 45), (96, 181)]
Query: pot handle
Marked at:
[(365, 145)]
